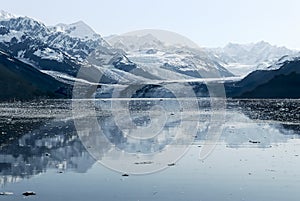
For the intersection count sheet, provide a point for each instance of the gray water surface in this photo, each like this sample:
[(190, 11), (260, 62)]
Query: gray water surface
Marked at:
[(256, 157)]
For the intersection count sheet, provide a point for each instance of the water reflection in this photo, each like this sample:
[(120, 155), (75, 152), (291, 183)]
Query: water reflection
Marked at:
[(36, 138), (42, 135), (261, 123)]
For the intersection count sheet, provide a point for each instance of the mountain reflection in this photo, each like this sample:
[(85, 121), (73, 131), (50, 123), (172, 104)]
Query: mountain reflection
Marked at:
[(50, 144), (35, 139)]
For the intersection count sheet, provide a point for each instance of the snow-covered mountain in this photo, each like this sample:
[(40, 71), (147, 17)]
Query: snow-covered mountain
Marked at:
[(280, 80), (78, 29), (283, 60), (168, 61), (132, 43), (20, 29), (60, 50), (242, 59), (63, 49)]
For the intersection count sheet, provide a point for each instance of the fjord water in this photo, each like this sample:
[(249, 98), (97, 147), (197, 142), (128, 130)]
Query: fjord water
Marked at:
[(256, 157)]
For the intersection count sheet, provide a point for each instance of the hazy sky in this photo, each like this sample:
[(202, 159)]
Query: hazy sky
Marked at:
[(209, 23)]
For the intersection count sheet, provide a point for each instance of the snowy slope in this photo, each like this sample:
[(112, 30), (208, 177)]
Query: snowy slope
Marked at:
[(167, 61), (283, 60), (64, 49), (242, 59), (78, 30)]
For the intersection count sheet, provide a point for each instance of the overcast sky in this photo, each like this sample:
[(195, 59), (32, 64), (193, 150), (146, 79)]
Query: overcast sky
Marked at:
[(210, 23)]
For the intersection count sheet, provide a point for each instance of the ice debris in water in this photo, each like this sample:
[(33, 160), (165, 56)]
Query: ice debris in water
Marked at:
[(28, 193), (6, 193)]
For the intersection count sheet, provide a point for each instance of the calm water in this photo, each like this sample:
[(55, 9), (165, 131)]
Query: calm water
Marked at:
[(253, 150)]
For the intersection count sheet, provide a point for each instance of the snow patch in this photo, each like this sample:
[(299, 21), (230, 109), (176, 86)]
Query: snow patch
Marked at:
[(48, 53), (12, 35)]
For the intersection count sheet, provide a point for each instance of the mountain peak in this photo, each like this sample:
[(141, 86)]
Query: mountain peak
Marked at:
[(80, 23), (77, 29), (6, 15), (263, 42), (135, 42), (247, 46)]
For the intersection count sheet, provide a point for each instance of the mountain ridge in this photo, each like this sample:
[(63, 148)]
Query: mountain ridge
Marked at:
[(241, 59), (60, 52)]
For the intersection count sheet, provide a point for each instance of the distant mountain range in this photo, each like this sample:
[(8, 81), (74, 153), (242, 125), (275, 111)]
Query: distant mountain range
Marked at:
[(40, 61), (168, 61), (241, 59)]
